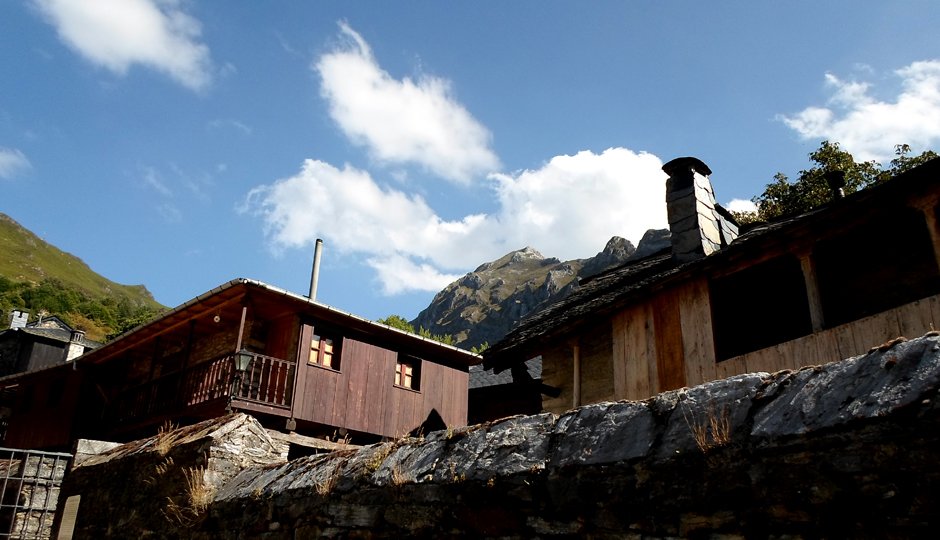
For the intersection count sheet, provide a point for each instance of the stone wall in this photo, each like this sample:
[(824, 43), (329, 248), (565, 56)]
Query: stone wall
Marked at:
[(160, 487), (849, 449), (29, 482)]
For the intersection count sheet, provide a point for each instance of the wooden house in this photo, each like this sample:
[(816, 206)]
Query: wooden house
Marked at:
[(48, 341), (307, 368), (804, 290)]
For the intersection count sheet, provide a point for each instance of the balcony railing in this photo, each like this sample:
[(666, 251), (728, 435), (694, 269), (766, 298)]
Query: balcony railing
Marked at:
[(268, 381)]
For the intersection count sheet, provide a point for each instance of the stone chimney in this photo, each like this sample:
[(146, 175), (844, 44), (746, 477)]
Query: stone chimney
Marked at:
[(76, 345), (698, 225), (18, 319)]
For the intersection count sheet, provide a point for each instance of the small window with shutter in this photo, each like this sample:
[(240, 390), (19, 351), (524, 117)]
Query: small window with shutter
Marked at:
[(324, 350), (408, 372)]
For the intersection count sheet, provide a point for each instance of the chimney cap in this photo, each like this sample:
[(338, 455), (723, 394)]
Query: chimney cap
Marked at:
[(683, 164)]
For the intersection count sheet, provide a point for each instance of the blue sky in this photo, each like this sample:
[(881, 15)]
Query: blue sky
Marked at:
[(180, 144)]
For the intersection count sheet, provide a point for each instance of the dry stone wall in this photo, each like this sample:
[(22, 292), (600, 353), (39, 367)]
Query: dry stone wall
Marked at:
[(849, 449)]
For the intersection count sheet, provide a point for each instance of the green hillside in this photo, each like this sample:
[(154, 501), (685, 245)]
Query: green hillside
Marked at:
[(38, 276)]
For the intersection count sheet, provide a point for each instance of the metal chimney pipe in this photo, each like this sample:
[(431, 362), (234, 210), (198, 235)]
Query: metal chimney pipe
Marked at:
[(836, 181), (315, 275)]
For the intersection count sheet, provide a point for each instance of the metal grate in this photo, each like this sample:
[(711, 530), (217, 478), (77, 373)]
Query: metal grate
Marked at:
[(29, 491)]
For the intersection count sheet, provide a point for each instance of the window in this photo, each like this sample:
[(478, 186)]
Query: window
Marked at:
[(408, 372), (885, 263), (759, 306), (324, 351)]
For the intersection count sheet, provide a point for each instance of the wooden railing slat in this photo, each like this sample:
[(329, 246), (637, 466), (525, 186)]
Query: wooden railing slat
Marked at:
[(265, 382)]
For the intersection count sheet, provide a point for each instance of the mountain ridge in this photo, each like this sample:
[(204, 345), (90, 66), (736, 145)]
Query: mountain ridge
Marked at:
[(29, 264)]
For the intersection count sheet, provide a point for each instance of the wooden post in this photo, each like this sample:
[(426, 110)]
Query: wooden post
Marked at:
[(241, 329), (298, 399), (576, 386), (189, 343), (932, 227), (154, 357), (808, 265)]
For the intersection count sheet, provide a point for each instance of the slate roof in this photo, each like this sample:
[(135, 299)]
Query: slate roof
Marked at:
[(483, 378), (608, 292), (55, 334)]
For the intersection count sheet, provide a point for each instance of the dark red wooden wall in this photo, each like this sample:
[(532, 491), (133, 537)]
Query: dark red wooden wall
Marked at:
[(361, 396)]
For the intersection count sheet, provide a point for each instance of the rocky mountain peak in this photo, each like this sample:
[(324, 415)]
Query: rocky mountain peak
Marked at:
[(615, 252), (483, 305)]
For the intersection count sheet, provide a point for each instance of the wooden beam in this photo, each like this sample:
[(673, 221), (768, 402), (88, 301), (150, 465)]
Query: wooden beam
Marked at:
[(241, 329), (930, 216), (158, 328), (808, 265), (189, 343), (576, 386), (310, 442)]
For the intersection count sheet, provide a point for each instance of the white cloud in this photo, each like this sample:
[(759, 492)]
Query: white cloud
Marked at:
[(12, 162), (741, 205), (400, 274), (169, 212), (347, 207), (153, 179), (402, 121), (869, 128), (571, 206), (117, 34), (230, 123), (166, 186), (568, 208)]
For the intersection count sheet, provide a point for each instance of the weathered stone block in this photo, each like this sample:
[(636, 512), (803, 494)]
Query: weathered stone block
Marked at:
[(603, 433)]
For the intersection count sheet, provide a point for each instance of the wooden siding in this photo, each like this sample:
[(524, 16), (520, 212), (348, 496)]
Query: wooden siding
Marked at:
[(668, 334), (645, 339), (597, 382), (844, 341), (46, 407), (634, 348), (361, 396), (637, 349), (557, 372), (698, 346)]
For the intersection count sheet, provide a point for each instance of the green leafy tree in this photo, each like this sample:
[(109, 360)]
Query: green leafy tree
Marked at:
[(399, 322), (811, 189), (446, 339), (132, 320), (102, 318), (902, 162)]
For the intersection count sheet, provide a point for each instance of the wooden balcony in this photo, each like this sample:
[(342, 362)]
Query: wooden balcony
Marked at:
[(209, 386)]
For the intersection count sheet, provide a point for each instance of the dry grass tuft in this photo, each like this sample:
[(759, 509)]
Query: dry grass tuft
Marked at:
[(399, 477), (162, 468), (165, 438), (378, 457), (711, 432), (196, 500), (325, 486), (199, 493), (159, 470)]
